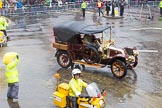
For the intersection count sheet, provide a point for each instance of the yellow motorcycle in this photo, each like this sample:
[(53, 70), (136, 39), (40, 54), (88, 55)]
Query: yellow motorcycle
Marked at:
[(94, 99)]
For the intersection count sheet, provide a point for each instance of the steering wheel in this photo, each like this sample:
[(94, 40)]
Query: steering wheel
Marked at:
[(90, 54)]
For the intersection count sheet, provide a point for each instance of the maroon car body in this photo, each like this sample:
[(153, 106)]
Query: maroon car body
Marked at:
[(71, 48)]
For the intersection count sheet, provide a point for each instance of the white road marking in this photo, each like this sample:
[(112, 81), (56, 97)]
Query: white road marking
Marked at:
[(151, 28), (154, 51)]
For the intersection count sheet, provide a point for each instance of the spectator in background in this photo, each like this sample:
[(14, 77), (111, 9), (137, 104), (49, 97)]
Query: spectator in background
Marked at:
[(160, 6), (19, 4), (113, 6), (107, 4), (122, 3), (60, 5), (99, 6), (83, 6)]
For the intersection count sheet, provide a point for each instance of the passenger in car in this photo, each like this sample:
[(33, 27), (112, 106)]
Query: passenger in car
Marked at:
[(76, 39), (87, 39), (92, 40)]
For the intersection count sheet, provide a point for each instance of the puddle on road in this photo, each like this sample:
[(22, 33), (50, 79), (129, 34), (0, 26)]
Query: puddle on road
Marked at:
[(3, 82)]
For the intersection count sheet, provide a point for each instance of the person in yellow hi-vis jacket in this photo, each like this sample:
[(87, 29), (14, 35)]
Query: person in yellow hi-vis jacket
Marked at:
[(160, 6), (76, 85), (3, 25), (11, 60), (83, 6)]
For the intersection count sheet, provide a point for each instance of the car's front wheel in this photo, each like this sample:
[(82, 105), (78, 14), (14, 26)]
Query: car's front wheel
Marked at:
[(64, 60), (118, 68)]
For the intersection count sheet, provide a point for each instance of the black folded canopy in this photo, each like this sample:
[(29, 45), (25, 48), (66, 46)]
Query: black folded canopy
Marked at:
[(66, 30)]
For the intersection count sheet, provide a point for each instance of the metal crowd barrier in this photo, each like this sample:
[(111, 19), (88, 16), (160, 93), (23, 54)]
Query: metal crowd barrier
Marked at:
[(139, 3), (55, 7)]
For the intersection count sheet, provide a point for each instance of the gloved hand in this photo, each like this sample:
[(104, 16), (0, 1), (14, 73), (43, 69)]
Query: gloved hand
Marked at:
[(87, 96), (17, 56), (81, 96)]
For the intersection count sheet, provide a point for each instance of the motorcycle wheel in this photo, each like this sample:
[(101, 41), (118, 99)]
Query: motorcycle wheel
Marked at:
[(64, 60), (118, 68)]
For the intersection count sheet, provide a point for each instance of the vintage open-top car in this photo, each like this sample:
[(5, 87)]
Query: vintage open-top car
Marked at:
[(90, 44)]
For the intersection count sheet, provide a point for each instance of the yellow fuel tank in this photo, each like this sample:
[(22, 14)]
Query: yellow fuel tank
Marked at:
[(8, 57)]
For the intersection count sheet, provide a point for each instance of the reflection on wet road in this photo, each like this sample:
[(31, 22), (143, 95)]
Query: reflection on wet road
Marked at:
[(13, 104), (30, 38)]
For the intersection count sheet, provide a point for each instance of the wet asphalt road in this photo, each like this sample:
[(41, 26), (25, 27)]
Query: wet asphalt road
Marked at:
[(30, 37)]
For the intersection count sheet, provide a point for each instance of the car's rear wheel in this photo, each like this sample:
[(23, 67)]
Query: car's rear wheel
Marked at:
[(64, 60), (118, 68)]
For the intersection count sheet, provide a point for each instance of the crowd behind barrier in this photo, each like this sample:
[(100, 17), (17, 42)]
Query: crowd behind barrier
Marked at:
[(56, 7)]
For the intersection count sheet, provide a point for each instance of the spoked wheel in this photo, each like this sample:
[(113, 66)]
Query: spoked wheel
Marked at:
[(64, 60), (118, 69), (90, 55)]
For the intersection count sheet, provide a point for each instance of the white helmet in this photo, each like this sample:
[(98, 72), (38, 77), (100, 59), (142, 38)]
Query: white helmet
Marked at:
[(76, 71)]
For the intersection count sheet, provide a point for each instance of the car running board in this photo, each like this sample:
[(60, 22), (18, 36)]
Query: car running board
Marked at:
[(97, 65)]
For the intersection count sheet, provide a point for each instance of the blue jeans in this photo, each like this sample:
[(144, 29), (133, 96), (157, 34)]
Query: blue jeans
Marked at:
[(100, 11), (13, 89)]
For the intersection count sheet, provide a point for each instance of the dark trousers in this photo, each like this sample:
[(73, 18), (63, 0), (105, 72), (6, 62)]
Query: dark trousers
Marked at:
[(113, 12), (74, 102), (121, 11), (83, 10), (13, 89), (100, 11), (107, 10), (161, 11)]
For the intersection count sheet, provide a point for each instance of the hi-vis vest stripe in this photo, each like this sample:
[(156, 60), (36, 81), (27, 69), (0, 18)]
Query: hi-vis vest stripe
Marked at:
[(11, 79), (12, 75), (99, 4)]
